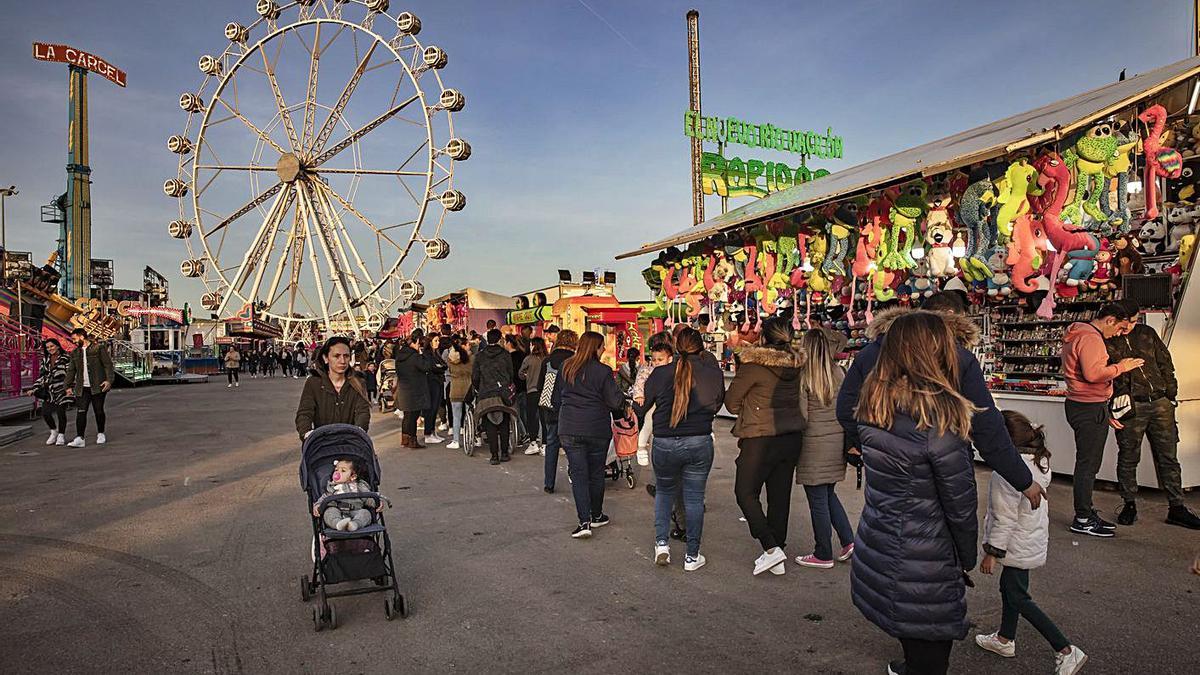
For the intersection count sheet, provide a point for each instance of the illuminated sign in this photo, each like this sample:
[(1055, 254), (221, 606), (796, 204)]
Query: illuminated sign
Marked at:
[(79, 58), (533, 315), (169, 313), (769, 136), (751, 178)]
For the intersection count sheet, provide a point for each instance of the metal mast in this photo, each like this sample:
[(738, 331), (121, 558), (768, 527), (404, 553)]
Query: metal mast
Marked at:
[(77, 230), (693, 36)]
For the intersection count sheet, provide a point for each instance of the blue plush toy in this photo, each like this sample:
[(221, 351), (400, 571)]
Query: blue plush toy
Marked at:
[(1079, 267)]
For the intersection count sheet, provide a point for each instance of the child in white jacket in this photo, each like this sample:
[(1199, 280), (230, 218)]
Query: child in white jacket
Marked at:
[(1017, 537)]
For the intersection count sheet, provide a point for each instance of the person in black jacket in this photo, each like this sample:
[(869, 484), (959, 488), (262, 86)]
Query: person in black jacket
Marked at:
[(988, 433), (685, 394), (918, 532), (551, 395), (436, 378), (1153, 393), (411, 393), (492, 377), (589, 399)]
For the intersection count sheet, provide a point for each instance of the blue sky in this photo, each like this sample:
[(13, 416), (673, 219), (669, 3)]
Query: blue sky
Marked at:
[(574, 110)]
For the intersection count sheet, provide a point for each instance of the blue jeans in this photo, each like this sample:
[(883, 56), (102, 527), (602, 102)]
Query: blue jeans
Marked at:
[(550, 440), (686, 460), (826, 509), (456, 413), (585, 466)]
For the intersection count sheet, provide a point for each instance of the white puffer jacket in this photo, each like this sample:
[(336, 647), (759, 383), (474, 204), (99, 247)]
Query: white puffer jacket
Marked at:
[(1013, 527)]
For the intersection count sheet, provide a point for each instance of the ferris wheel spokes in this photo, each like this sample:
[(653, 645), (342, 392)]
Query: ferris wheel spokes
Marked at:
[(247, 208), (310, 98), (329, 249), (256, 250), (362, 131), (341, 233), (284, 115), (336, 112)]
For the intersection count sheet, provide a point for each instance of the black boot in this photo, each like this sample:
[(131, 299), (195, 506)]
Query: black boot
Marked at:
[(495, 459), (1128, 514), (1179, 515), (504, 457)]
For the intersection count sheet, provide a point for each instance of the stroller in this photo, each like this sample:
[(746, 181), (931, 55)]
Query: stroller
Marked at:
[(341, 556), (385, 378), (622, 451)]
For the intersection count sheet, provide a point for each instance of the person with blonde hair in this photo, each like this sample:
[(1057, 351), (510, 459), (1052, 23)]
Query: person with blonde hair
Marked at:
[(918, 533), (822, 462)]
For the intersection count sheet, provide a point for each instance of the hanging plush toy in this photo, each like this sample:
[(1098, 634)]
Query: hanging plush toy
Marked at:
[(939, 238), (1153, 235), (999, 284), (844, 222), (1088, 155), (973, 208), (817, 282), (1160, 160), (1119, 218), (1102, 278), (1025, 252), (1126, 257), (1181, 221), (905, 214), (1185, 188), (1013, 194)]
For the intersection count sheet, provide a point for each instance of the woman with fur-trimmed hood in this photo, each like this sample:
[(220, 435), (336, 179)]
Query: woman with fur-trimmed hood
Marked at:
[(765, 396), (988, 433)]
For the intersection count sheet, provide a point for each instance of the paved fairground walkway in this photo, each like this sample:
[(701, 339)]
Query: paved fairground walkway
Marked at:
[(177, 547)]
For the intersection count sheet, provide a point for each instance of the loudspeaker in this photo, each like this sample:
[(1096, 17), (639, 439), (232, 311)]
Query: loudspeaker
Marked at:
[(1151, 291)]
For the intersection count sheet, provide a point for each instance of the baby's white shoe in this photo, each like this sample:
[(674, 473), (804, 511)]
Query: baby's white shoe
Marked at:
[(352, 526), (344, 524)]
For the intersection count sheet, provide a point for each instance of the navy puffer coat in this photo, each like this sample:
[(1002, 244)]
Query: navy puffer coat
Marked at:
[(917, 532)]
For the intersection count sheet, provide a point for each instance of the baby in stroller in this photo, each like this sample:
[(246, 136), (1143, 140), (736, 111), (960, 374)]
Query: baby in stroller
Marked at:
[(348, 514)]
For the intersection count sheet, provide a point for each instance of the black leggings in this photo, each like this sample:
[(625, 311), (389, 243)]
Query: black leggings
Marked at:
[(96, 401), (926, 657), (435, 402), (232, 374), (769, 461), (55, 415), (408, 425)]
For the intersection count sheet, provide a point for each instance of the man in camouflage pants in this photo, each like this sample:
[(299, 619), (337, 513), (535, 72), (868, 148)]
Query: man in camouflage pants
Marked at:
[(1153, 391)]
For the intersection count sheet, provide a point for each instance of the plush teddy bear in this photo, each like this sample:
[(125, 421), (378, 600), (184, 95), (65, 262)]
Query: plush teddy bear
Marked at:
[(1153, 235), (1182, 221), (939, 238), (999, 284)]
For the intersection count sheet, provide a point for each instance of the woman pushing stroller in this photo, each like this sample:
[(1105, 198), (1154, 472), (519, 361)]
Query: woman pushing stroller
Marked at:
[(331, 395)]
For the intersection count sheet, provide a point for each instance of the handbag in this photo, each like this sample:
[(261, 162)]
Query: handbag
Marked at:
[(1120, 406)]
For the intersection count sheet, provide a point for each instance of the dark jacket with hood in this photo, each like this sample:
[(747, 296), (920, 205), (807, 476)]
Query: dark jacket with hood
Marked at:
[(554, 360), (1153, 380), (917, 533), (704, 399), (988, 432), (321, 404), (493, 372), (765, 392), (99, 367), (412, 379)]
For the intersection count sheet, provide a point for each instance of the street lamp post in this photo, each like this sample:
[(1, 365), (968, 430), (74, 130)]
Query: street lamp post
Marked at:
[(10, 191)]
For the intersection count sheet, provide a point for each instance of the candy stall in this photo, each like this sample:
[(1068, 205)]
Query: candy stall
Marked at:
[(1037, 219)]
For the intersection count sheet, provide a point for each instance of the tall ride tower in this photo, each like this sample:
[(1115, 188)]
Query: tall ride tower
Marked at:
[(76, 235), (693, 36)]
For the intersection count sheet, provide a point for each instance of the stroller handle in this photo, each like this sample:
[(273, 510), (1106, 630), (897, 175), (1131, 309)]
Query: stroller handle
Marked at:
[(351, 495)]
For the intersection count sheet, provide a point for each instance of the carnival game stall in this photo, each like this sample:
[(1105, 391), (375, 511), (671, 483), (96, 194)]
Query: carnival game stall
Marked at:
[(1038, 218), (469, 309)]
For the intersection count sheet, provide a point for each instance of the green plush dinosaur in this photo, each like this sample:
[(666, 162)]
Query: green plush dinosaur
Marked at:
[(1020, 180), (1087, 157)]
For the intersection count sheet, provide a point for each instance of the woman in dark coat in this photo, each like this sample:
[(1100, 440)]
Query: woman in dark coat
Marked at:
[(918, 531), (436, 378), (411, 394), (332, 393)]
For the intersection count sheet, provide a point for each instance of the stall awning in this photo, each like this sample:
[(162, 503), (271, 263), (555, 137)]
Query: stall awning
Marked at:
[(1027, 129), (477, 299)]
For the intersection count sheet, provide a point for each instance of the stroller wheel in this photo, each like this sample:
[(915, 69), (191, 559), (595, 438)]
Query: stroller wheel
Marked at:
[(330, 617), (318, 620), (630, 480), (400, 605), (387, 610), (305, 589)]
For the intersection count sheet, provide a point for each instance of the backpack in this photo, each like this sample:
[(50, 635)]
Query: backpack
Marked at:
[(550, 397)]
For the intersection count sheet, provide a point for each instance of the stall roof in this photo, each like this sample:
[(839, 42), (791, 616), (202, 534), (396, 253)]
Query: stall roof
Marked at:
[(477, 299), (1024, 130)]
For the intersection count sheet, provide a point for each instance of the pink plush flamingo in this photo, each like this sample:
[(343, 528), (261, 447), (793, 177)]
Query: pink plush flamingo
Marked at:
[(1160, 160)]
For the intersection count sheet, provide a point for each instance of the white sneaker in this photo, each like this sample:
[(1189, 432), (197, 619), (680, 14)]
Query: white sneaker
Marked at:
[(101, 439), (691, 564), (53, 437), (453, 445), (542, 450), (441, 426), (229, 386), (237, 384), (992, 643), (768, 560), (61, 440), (433, 440), (662, 555), (531, 450), (779, 570), (479, 442), (1069, 664), (77, 443)]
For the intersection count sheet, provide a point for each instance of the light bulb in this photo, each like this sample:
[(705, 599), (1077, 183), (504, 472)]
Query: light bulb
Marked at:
[(918, 253)]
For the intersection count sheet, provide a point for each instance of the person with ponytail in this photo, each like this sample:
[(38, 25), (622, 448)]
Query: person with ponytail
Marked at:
[(917, 537), (589, 398), (765, 396), (685, 394)]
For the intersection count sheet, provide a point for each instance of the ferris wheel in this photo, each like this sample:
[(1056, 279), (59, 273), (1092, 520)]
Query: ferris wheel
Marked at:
[(317, 165)]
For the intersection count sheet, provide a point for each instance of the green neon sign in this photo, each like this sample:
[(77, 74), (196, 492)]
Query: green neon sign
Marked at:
[(750, 178), (732, 130)]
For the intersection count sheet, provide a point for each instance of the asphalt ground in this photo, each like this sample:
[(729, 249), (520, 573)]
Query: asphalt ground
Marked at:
[(177, 547)]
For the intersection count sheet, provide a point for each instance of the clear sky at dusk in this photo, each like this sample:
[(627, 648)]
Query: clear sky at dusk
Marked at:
[(574, 110)]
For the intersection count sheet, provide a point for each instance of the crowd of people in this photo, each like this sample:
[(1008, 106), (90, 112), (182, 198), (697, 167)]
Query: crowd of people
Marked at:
[(909, 412)]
